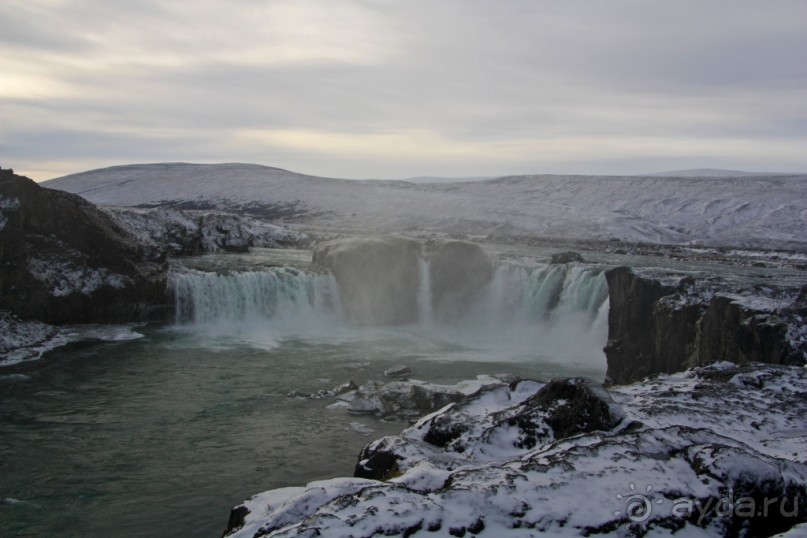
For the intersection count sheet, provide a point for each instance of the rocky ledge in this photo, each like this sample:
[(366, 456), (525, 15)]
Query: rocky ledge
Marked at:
[(662, 322), (714, 451)]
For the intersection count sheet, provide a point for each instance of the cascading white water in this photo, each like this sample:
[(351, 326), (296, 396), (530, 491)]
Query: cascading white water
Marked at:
[(277, 293), (540, 294), (555, 311), (516, 294), (547, 310), (425, 309)]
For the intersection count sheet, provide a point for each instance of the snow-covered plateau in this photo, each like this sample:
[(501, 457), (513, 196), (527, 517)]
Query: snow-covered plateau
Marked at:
[(714, 451), (739, 211)]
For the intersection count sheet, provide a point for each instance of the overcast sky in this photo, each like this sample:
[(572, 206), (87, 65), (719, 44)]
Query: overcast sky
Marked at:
[(394, 89)]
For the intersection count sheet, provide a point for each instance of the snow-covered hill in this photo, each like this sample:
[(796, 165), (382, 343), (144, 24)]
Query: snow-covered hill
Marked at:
[(745, 211), (710, 172)]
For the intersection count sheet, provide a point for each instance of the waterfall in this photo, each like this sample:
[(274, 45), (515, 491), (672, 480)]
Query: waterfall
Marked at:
[(558, 312), (425, 309), (537, 310), (520, 294), (279, 294), (540, 294)]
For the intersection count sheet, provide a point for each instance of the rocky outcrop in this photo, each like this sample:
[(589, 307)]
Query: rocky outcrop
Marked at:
[(401, 399), (566, 257), (62, 260), (739, 330), (696, 453), (16, 333), (378, 277), (186, 233), (663, 323), (458, 271)]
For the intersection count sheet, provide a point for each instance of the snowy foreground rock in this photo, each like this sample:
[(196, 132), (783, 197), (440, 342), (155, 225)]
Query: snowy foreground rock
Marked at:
[(715, 451), (403, 399)]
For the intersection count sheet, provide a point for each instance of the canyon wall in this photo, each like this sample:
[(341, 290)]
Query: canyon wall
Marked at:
[(662, 323)]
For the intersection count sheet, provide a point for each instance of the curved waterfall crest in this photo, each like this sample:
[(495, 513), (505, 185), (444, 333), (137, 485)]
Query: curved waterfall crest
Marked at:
[(516, 294)]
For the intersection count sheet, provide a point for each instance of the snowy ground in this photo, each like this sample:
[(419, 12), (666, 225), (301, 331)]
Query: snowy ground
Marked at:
[(718, 451), (746, 211)]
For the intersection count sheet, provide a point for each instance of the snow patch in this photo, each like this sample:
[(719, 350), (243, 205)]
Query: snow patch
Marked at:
[(7, 204), (65, 277)]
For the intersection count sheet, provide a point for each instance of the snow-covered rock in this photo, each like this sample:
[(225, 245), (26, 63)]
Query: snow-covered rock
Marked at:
[(752, 211), (65, 261), (716, 451), (191, 232), (16, 334), (404, 398)]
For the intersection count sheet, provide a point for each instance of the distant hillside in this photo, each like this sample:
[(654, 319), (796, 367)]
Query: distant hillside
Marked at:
[(710, 172), (743, 211), (440, 179)]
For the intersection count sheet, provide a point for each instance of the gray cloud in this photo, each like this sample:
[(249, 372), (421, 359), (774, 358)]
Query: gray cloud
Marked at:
[(392, 89)]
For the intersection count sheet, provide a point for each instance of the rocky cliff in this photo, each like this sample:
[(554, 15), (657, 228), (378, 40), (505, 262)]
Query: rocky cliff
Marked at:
[(62, 260), (663, 323)]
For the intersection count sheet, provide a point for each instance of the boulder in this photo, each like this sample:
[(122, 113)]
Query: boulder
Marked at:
[(566, 257), (378, 277), (399, 370), (560, 409), (62, 260)]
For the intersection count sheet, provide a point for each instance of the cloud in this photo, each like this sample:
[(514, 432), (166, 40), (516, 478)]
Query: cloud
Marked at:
[(380, 88)]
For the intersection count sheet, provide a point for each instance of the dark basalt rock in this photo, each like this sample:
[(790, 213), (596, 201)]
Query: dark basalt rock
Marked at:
[(560, 409), (631, 347), (732, 332), (236, 519), (665, 324), (378, 461), (62, 260), (566, 257), (569, 407)]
